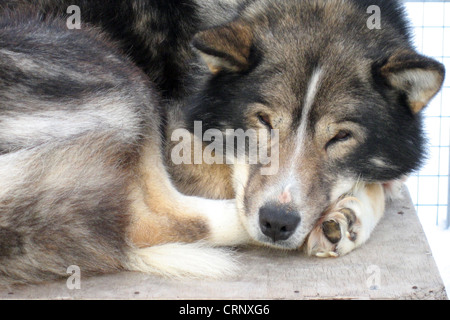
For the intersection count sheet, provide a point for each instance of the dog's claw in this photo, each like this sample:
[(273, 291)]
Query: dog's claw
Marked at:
[(327, 254), (333, 254)]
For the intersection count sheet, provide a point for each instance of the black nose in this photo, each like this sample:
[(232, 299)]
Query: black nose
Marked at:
[(278, 222)]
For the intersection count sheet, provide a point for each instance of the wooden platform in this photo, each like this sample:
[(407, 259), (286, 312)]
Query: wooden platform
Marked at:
[(396, 263)]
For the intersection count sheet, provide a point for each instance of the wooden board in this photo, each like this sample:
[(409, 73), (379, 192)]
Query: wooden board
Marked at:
[(396, 263)]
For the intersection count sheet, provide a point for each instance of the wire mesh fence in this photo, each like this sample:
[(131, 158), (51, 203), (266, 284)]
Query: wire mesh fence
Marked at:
[(429, 187)]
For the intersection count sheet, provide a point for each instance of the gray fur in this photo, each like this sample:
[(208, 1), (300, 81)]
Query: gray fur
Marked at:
[(71, 130)]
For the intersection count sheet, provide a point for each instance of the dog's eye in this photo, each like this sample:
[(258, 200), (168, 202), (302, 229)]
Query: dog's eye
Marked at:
[(265, 120), (341, 136)]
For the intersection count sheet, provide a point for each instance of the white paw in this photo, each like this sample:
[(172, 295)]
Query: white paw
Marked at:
[(337, 232)]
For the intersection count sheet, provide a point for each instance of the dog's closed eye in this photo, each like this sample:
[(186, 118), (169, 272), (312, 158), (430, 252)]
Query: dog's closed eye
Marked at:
[(341, 136), (265, 120)]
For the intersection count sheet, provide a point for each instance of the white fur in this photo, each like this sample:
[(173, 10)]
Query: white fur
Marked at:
[(42, 67), (368, 217), (393, 189), (368, 206), (181, 260), (313, 88), (223, 219), (379, 162), (40, 127), (342, 186)]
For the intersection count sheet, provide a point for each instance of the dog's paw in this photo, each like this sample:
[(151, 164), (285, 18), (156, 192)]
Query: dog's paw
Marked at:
[(337, 232)]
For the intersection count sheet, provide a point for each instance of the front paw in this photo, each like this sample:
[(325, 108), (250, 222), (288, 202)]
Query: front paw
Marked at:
[(337, 232)]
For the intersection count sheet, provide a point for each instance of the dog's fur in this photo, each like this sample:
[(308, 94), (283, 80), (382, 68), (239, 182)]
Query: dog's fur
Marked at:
[(87, 115)]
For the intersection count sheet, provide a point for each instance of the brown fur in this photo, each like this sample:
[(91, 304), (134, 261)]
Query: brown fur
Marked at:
[(226, 47)]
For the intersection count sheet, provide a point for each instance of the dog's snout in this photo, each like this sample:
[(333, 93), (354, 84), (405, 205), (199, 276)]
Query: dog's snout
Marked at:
[(278, 222)]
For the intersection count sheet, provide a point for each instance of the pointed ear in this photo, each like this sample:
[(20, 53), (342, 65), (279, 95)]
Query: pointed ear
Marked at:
[(225, 47), (417, 76)]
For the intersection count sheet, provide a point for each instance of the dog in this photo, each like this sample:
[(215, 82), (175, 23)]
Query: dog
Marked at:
[(88, 121)]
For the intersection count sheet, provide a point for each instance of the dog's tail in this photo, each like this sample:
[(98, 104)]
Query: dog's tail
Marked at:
[(183, 260), (174, 261)]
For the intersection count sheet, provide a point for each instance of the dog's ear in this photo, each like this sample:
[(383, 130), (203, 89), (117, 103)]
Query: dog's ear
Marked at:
[(417, 76), (225, 47)]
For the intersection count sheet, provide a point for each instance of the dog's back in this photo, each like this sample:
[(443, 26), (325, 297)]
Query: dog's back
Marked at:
[(72, 114), (155, 35)]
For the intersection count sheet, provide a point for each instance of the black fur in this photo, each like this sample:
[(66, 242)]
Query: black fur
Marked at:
[(160, 47)]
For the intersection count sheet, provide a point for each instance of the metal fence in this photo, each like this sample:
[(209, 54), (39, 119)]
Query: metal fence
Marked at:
[(430, 187)]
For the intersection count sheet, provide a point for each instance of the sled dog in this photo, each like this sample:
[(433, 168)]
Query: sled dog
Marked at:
[(90, 123)]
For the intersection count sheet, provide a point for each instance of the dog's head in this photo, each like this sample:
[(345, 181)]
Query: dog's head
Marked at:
[(344, 100)]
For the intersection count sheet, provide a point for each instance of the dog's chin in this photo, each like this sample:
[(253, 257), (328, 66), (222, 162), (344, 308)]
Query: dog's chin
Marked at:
[(289, 244), (284, 245)]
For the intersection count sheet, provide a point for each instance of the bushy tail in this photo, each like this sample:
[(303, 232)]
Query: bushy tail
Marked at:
[(183, 260), (174, 261)]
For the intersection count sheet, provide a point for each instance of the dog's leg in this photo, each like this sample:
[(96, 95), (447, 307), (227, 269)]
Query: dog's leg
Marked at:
[(161, 214), (349, 223), (173, 234)]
